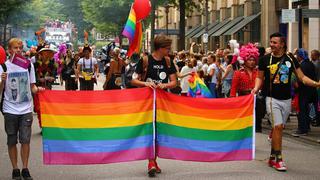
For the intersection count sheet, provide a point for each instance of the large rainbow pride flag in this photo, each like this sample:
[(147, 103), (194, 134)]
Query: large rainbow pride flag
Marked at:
[(204, 129), (98, 127)]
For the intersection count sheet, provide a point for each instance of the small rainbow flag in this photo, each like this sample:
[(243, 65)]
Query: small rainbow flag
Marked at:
[(130, 27), (97, 127), (207, 130), (197, 88), (133, 31)]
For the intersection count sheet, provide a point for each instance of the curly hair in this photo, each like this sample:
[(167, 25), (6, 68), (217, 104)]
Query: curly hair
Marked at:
[(249, 51)]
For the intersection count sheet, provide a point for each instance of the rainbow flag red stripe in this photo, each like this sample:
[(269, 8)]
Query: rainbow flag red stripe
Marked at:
[(97, 127), (205, 129)]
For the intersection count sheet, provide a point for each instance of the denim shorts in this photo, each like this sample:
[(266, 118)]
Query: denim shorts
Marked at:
[(18, 125)]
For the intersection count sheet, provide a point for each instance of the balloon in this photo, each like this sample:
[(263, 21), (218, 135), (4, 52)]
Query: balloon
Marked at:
[(142, 9), (3, 55)]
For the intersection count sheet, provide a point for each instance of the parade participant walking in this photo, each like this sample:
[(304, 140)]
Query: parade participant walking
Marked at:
[(308, 97), (213, 72), (185, 73), (68, 72), (155, 72), (87, 70), (17, 108), (45, 72), (244, 80), (275, 72), (117, 65)]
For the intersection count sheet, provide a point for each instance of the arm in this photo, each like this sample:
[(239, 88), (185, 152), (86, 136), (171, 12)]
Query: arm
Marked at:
[(35, 89), (96, 70), (137, 82), (234, 84), (77, 71), (171, 84), (211, 73), (258, 82), (305, 80), (3, 80), (227, 71), (110, 71), (182, 74)]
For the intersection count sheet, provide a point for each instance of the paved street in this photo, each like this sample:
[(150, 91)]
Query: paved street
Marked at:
[(303, 161)]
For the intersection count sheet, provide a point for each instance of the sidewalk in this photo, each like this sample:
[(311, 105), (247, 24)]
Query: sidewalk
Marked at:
[(312, 137)]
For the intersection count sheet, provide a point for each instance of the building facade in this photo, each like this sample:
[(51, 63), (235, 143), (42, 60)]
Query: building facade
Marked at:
[(243, 20)]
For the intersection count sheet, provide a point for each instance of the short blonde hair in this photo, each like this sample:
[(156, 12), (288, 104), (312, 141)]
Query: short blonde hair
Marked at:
[(13, 41)]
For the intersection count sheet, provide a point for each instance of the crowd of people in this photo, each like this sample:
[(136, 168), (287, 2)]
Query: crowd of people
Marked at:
[(274, 74)]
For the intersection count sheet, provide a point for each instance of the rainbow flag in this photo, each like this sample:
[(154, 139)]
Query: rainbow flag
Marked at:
[(136, 45), (133, 31), (206, 130), (130, 27), (97, 127), (197, 88)]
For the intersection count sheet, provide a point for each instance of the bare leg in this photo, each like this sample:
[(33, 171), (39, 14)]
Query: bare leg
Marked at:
[(277, 137), (25, 151), (13, 154)]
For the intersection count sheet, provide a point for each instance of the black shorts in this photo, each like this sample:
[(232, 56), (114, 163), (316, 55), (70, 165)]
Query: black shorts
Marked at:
[(18, 125)]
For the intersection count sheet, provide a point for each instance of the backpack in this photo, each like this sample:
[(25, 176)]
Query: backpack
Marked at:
[(129, 70), (4, 67)]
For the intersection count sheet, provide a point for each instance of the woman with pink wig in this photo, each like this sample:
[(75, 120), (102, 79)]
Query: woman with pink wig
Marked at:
[(244, 79)]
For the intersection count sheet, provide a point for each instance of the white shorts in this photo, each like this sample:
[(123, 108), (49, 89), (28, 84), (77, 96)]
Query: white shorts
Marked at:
[(278, 110)]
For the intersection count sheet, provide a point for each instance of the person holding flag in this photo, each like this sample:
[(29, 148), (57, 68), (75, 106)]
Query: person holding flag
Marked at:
[(154, 71), (17, 106)]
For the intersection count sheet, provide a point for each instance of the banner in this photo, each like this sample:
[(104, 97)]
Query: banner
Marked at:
[(199, 129), (98, 127)]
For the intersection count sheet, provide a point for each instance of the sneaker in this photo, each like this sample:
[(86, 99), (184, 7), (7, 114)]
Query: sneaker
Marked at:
[(271, 162), (299, 133), (280, 166), (152, 169), (16, 174), (158, 170), (26, 174)]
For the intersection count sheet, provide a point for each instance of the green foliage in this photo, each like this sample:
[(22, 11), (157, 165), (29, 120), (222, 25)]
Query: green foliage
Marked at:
[(108, 16), (32, 13), (8, 8)]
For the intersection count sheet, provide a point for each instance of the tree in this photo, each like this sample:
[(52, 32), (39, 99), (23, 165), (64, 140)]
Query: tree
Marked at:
[(6, 10), (107, 16), (70, 8)]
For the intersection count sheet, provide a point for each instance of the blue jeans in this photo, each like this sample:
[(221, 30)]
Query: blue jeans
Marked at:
[(212, 87)]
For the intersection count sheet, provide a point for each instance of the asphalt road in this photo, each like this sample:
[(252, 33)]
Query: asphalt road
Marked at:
[(303, 161)]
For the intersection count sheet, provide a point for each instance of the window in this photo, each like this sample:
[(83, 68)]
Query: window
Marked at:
[(228, 13), (240, 10)]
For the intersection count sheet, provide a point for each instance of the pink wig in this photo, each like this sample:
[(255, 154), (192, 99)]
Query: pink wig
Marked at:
[(249, 51)]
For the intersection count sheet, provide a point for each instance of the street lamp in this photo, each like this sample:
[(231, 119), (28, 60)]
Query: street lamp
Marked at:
[(205, 35)]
